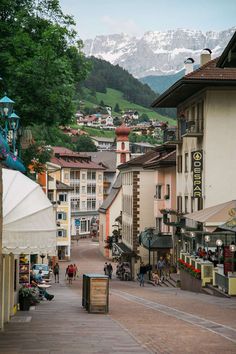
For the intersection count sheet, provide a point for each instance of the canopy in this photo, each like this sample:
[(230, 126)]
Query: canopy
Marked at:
[(29, 224), (215, 215)]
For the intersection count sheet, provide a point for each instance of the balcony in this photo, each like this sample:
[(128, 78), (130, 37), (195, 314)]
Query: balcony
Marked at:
[(170, 136), (74, 182), (191, 128)]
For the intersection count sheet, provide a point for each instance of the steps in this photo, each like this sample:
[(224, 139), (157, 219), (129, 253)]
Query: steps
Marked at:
[(211, 290)]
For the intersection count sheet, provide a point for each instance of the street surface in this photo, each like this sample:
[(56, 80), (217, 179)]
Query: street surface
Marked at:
[(141, 320)]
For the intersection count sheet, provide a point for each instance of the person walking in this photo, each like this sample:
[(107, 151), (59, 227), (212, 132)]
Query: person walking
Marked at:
[(75, 271), (105, 268), (160, 268), (56, 269), (70, 273), (142, 272), (109, 270)]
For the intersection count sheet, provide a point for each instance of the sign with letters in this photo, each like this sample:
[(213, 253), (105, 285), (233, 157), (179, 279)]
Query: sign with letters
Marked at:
[(197, 161)]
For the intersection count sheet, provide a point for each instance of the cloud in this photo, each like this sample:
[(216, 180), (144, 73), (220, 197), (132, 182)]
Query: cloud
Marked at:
[(117, 26)]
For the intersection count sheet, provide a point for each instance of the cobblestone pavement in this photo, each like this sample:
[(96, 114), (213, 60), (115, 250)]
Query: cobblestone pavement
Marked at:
[(141, 319)]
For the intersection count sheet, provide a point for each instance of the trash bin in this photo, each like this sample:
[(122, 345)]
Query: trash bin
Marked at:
[(95, 296)]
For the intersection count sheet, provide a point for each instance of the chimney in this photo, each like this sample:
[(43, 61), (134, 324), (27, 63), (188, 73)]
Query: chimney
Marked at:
[(188, 65), (205, 56)]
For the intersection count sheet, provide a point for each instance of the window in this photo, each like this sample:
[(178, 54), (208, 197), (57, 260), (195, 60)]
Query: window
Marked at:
[(83, 225), (179, 163), (122, 145), (158, 191), (179, 204), (100, 177), (159, 224), (199, 204), (62, 197), (83, 176), (91, 189), (61, 233), (91, 204), (186, 204), (122, 158), (83, 189), (66, 175), (167, 195), (75, 204), (186, 162), (91, 175), (61, 215), (74, 175), (83, 205), (192, 204), (50, 196)]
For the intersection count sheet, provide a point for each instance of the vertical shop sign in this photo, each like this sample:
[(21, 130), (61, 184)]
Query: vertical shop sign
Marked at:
[(197, 161)]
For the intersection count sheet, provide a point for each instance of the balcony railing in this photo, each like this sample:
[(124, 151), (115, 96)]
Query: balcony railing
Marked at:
[(74, 182), (222, 282), (190, 128), (170, 136)]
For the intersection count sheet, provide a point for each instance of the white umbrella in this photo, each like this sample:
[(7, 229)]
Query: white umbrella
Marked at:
[(29, 224)]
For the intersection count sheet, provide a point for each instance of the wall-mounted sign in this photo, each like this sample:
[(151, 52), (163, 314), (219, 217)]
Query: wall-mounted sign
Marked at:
[(197, 161), (77, 222)]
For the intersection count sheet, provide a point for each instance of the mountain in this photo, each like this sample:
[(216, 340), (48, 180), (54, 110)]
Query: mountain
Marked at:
[(161, 83), (156, 53)]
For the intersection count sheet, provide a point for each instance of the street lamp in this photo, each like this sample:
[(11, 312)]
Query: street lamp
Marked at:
[(232, 248), (219, 243), (10, 120), (207, 240)]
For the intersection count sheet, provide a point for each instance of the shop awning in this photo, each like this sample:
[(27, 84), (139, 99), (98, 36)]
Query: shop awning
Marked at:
[(119, 249), (28, 218), (215, 215), (157, 240)]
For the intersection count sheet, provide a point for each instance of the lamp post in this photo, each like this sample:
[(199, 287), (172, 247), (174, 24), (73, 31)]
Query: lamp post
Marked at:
[(219, 243), (232, 248), (6, 107), (150, 236)]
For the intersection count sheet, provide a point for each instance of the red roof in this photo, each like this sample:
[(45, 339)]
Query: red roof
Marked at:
[(77, 164), (210, 71)]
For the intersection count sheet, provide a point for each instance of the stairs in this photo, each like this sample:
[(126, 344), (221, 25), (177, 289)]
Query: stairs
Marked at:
[(211, 290)]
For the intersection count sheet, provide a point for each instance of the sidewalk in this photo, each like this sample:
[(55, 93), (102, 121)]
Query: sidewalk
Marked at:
[(63, 326)]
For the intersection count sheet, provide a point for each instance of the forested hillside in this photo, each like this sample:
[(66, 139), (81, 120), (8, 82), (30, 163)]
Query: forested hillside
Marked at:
[(104, 75)]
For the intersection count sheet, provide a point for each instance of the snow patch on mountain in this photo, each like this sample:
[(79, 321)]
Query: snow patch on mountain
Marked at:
[(156, 52)]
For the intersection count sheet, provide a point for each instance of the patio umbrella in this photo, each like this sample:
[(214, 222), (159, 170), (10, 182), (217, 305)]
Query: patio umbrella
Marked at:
[(28, 218)]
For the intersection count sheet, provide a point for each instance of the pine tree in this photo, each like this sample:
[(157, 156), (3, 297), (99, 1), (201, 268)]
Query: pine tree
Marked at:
[(117, 108)]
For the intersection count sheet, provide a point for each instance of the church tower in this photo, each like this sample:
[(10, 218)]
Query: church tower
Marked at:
[(122, 145)]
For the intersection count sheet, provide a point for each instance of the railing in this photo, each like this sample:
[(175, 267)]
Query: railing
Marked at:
[(74, 182), (170, 136), (222, 282), (190, 128)]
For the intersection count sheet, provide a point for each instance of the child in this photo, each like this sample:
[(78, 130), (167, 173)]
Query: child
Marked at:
[(155, 279)]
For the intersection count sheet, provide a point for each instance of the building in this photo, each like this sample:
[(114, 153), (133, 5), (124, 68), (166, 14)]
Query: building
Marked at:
[(106, 159), (102, 143), (86, 178), (206, 106)]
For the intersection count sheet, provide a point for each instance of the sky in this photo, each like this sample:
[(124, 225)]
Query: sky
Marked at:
[(135, 17)]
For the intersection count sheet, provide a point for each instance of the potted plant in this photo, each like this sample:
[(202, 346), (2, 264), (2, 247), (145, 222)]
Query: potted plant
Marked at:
[(26, 297)]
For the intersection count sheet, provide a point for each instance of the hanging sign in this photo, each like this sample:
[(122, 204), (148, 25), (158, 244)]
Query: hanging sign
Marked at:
[(197, 161)]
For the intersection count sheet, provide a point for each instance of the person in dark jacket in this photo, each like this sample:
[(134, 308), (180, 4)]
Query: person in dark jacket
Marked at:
[(142, 272)]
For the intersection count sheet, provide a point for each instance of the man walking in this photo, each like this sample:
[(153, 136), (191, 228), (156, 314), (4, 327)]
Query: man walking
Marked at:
[(142, 272), (56, 269), (160, 267), (109, 270)]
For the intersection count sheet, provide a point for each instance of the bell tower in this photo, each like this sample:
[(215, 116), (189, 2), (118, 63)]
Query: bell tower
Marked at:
[(122, 144)]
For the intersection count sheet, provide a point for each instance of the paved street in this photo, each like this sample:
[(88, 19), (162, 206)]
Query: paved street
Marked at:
[(140, 320)]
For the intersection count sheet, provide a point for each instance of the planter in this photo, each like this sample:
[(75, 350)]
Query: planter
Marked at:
[(25, 303), (190, 283)]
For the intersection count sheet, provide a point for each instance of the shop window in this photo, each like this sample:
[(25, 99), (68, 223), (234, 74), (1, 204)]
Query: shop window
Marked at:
[(83, 226)]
